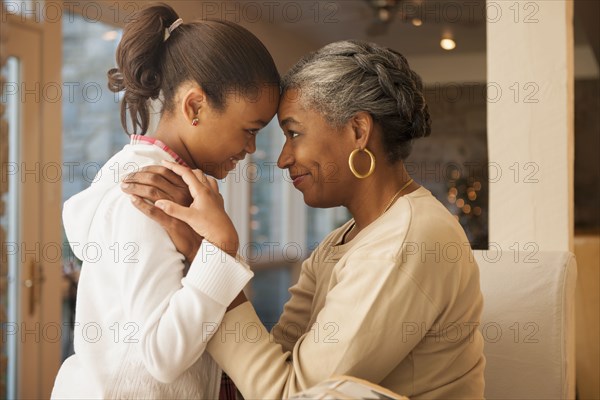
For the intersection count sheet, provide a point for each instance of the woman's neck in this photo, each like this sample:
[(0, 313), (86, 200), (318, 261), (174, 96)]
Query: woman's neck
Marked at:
[(377, 195)]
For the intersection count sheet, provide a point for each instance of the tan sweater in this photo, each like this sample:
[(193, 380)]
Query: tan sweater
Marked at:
[(398, 305)]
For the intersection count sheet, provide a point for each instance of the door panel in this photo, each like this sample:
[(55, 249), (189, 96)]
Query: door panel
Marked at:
[(31, 337)]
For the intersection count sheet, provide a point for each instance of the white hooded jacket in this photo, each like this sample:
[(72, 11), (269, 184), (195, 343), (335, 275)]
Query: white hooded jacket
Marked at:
[(141, 325)]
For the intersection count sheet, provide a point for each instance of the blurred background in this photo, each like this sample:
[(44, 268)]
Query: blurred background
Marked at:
[(67, 48)]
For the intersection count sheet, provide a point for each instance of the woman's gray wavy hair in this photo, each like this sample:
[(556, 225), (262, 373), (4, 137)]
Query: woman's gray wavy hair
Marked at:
[(346, 77)]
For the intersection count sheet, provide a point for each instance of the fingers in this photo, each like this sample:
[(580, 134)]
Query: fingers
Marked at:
[(214, 185), (145, 192), (176, 168), (191, 178), (149, 178), (151, 184), (148, 209), (195, 179), (174, 210), (208, 181), (146, 178), (152, 172)]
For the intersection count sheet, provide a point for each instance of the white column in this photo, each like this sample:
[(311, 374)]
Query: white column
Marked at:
[(530, 124)]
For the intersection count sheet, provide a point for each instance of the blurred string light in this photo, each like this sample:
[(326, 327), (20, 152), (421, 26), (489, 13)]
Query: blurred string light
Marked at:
[(462, 193)]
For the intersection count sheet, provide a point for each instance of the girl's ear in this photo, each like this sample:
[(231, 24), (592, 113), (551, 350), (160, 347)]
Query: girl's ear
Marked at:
[(362, 126), (194, 99)]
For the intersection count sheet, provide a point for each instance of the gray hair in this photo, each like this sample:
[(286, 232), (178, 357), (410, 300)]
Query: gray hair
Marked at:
[(347, 77)]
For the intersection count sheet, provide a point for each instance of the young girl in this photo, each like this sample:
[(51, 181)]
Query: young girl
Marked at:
[(142, 321)]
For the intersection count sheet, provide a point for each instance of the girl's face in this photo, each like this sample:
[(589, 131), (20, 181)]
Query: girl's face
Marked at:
[(223, 138), (315, 153)]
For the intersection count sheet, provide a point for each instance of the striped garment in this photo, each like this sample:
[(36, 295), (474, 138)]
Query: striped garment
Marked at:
[(139, 139)]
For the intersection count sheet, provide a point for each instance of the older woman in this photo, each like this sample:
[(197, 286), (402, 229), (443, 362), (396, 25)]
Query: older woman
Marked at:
[(382, 298)]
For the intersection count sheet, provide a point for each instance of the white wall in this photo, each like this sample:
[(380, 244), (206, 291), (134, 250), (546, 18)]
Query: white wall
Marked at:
[(530, 130)]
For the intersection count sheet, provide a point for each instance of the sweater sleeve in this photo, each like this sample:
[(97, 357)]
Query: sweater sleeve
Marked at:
[(296, 312), (176, 317), (364, 328)]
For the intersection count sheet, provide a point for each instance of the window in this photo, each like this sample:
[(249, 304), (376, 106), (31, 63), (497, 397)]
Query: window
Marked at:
[(92, 132), (9, 232)]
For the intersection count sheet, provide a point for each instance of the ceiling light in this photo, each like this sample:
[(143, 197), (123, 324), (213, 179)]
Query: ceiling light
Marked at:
[(448, 44), (384, 9), (417, 21)]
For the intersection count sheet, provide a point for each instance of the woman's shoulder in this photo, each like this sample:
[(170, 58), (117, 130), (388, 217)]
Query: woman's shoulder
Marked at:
[(416, 219), (431, 220), (423, 239)]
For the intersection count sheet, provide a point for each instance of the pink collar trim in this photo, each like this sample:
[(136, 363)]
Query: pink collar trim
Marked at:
[(139, 139)]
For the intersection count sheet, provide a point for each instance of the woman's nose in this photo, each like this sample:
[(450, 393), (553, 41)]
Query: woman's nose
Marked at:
[(286, 158)]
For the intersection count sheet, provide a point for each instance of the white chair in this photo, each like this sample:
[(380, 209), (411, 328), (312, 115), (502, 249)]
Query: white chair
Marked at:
[(528, 324)]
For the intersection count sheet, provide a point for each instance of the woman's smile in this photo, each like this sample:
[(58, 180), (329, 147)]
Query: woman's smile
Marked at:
[(298, 179)]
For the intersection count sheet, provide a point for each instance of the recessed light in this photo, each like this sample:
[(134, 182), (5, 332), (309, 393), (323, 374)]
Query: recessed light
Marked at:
[(447, 44), (417, 21)]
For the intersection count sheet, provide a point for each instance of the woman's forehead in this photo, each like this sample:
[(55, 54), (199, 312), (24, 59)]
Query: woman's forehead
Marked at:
[(289, 111), (291, 101)]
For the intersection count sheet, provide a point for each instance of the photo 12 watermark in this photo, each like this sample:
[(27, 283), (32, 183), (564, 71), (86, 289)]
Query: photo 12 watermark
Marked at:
[(241, 12)]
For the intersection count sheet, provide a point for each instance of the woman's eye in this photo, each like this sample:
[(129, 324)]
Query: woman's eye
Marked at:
[(253, 132), (292, 134)]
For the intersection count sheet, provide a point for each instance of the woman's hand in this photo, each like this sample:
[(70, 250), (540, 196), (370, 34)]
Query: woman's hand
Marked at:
[(206, 215), (154, 183)]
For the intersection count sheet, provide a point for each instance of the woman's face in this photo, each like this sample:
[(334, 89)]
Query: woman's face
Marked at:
[(223, 138), (315, 153)]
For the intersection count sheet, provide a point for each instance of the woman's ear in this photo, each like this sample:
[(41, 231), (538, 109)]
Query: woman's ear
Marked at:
[(362, 125), (193, 100)]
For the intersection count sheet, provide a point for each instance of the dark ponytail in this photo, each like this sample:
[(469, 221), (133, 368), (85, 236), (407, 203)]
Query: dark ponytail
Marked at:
[(218, 55)]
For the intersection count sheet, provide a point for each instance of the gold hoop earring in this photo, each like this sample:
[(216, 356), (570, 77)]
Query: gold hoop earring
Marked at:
[(351, 163)]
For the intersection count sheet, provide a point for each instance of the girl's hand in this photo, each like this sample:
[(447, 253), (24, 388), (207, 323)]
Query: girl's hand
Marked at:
[(154, 183), (206, 215)]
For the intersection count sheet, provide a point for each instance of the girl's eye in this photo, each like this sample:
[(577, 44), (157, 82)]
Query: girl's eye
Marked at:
[(253, 132), (292, 134)]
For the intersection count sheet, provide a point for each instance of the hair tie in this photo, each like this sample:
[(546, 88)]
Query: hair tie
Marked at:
[(171, 28)]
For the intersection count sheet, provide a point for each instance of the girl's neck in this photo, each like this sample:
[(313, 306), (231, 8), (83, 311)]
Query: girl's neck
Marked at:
[(166, 133)]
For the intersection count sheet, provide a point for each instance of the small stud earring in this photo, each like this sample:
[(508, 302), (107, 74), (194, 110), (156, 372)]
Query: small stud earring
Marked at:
[(195, 121)]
